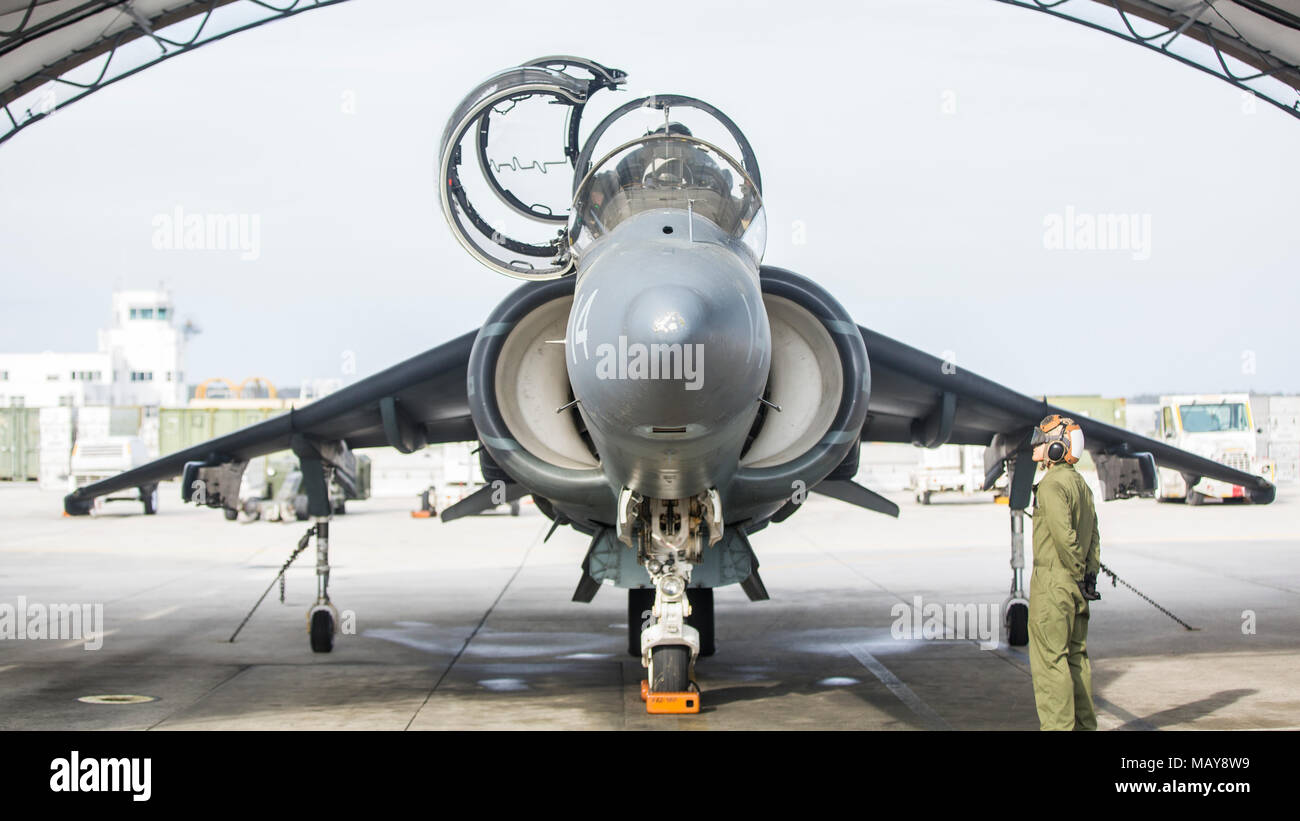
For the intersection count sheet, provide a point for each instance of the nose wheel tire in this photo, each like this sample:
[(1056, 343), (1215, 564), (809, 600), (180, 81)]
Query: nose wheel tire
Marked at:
[(322, 631), (670, 665)]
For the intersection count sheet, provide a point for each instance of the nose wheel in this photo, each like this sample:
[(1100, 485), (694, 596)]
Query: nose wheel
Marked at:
[(670, 669)]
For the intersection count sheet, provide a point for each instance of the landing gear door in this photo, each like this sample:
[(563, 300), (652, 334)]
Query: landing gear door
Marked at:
[(505, 193)]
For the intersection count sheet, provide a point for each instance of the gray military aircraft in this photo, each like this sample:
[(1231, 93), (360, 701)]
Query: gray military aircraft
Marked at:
[(653, 384)]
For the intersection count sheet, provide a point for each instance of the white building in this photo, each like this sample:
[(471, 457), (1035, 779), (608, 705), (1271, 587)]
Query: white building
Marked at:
[(140, 362)]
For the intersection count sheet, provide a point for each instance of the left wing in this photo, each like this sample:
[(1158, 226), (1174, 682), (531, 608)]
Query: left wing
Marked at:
[(417, 402), (919, 398)]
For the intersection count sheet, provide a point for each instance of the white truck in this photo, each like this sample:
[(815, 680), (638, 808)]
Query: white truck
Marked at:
[(105, 457), (951, 469), (1217, 426)]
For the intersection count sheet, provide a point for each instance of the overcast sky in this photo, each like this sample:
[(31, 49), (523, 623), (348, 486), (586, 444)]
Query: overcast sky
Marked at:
[(924, 146)]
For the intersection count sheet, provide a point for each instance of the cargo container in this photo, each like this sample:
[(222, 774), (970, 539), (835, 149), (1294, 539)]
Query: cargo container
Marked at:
[(20, 444)]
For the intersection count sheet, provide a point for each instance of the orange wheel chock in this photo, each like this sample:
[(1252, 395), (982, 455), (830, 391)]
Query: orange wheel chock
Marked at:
[(669, 703)]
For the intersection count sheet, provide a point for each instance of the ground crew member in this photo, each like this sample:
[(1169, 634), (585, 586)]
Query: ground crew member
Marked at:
[(1067, 555)]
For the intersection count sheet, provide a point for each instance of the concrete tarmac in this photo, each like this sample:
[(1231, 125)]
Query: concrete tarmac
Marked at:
[(469, 625)]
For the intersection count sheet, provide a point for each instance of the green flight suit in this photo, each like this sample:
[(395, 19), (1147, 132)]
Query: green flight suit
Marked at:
[(1066, 545)]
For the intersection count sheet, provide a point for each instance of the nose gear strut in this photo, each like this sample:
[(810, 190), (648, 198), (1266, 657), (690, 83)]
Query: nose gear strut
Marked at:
[(670, 536)]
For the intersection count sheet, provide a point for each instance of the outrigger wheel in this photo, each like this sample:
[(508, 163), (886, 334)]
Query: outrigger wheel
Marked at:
[(322, 630), (149, 495), (1018, 625)]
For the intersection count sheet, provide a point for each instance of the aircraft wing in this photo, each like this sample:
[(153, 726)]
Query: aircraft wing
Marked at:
[(420, 401), (919, 398)]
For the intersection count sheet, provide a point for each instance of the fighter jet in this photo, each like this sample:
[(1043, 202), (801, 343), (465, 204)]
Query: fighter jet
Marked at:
[(653, 384)]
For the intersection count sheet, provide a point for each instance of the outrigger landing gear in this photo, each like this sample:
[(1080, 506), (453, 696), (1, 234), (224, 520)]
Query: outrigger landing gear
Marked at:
[(1018, 462), (318, 460), (322, 617), (1015, 610)]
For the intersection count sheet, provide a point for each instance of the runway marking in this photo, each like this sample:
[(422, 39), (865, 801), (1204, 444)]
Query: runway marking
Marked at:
[(932, 720), (157, 586), (158, 614), (8, 667), (82, 642), (1131, 721)]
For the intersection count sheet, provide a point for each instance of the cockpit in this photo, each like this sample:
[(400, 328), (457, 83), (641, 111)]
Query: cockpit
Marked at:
[(668, 168)]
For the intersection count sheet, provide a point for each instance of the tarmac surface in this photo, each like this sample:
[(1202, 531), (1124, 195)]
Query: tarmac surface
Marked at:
[(469, 624)]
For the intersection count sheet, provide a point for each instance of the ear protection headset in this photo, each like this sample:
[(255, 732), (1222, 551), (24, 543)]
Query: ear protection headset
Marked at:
[(1063, 438)]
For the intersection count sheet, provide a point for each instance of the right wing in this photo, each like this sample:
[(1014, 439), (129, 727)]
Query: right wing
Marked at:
[(421, 401), (919, 398)]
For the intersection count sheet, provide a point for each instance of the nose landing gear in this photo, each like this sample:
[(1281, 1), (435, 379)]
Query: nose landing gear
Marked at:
[(670, 536), (669, 646)]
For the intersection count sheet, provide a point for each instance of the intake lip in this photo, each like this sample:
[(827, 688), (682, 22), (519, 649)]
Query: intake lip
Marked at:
[(587, 488), (755, 487)]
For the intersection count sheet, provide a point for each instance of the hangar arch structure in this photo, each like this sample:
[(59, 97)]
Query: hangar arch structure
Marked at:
[(1251, 44), (55, 52)]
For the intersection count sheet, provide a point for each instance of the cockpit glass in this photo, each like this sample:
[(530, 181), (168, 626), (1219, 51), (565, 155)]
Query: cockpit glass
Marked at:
[(669, 170)]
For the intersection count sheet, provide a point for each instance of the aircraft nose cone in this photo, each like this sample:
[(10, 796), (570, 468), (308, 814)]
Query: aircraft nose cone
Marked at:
[(672, 354), (669, 349), (669, 314)]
